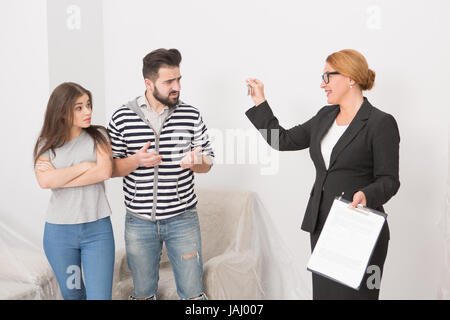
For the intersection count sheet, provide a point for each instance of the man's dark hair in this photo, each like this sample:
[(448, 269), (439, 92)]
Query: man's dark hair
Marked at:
[(158, 58)]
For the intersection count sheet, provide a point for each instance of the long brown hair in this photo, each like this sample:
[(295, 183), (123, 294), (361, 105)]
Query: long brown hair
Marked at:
[(58, 120), (352, 63)]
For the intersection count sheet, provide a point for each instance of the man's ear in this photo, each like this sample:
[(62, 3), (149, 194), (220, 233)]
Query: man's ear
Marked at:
[(149, 85)]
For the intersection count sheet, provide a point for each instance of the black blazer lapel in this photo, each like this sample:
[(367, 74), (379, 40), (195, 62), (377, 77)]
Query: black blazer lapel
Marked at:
[(323, 125), (355, 126)]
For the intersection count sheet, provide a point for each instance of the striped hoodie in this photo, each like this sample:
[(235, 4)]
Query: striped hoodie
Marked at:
[(182, 131)]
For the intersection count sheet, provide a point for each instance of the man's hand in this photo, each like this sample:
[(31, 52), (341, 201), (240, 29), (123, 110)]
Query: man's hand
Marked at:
[(147, 159), (191, 159)]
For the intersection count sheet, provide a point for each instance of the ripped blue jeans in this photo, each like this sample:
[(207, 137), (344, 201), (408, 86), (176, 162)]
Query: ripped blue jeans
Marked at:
[(144, 240)]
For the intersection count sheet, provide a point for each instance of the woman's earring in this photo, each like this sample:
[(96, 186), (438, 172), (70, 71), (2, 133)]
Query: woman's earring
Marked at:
[(351, 86)]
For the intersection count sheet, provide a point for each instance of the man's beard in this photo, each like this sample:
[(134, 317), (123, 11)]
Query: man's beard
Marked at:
[(167, 101)]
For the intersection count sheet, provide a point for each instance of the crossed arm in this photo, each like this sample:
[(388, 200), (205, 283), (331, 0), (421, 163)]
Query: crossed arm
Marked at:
[(82, 174)]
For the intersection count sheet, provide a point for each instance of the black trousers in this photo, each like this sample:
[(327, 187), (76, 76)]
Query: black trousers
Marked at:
[(326, 289)]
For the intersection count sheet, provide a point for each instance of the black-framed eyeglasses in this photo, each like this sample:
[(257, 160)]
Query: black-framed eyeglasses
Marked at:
[(326, 76)]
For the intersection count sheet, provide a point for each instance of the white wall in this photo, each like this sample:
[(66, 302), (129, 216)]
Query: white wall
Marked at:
[(24, 94), (284, 43)]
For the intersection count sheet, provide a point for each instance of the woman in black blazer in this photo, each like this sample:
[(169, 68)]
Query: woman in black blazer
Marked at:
[(355, 150)]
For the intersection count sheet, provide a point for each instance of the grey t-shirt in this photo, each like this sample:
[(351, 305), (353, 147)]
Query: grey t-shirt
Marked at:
[(76, 204)]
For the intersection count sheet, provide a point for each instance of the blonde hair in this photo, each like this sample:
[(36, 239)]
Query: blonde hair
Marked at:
[(352, 64)]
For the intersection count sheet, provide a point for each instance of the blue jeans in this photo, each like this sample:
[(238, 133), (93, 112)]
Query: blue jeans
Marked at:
[(144, 240), (91, 245)]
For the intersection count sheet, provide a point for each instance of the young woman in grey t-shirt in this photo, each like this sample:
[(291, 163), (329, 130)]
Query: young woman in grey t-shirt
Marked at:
[(73, 158)]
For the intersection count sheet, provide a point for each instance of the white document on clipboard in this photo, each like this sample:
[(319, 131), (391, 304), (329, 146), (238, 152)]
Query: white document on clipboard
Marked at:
[(346, 243)]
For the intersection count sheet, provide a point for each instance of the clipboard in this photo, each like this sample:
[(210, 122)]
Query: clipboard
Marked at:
[(346, 243)]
